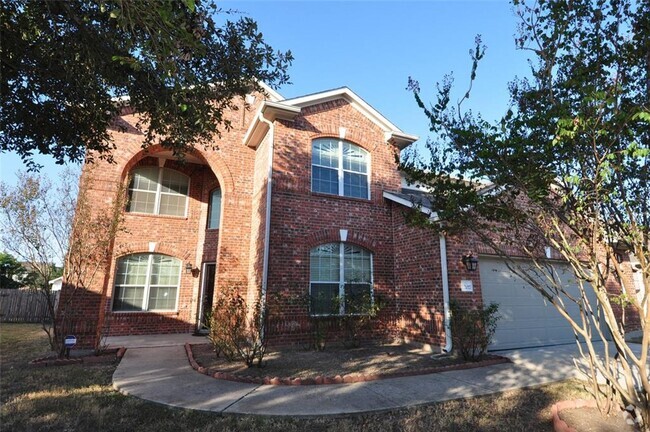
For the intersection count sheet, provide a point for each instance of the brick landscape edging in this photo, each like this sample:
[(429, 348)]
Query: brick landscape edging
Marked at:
[(338, 379), (91, 359), (560, 425)]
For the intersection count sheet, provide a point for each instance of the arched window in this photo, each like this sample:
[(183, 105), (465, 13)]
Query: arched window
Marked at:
[(340, 168), (147, 282), (159, 191), (340, 279), (214, 213)]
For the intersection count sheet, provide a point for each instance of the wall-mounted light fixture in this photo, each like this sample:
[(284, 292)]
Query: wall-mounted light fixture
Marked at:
[(470, 262), (189, 268)]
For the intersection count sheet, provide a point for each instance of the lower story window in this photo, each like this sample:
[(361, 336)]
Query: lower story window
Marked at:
[(340, 279), (147, 282)]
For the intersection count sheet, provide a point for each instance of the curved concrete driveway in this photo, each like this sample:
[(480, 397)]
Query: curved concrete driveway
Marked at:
[(158, 370)]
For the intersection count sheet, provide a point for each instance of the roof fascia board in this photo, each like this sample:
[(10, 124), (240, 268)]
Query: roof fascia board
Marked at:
[(400, 139), (273, 95), (271, 112), (393, 133), (408, 203)]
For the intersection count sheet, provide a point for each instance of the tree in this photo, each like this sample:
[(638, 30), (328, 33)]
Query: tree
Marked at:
[(566, 167), (68, 69), (11, 271), (44, 224)]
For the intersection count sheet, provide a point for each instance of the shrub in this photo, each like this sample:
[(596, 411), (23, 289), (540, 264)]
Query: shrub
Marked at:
[(237, 331), (361, 311), (473, 329)]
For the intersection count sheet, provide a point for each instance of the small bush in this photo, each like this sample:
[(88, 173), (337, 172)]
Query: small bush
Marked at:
[(361, 312), (237, 332), (473, 329)]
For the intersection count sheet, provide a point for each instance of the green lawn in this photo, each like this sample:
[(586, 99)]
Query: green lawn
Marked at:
[(81, 398)]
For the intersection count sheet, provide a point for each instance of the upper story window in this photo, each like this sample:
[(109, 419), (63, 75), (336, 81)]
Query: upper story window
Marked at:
[(214, 213), (159, 191), (147, 282), (340, 279), (340, 168)]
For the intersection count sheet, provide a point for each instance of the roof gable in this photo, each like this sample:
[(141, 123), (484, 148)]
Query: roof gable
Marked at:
[(392, 132)]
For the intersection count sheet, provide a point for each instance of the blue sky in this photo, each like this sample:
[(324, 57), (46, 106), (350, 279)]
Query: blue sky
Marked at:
[(372, 47)]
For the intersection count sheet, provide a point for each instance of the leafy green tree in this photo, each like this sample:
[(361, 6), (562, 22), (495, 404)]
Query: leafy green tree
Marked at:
[(567, 167), (69, 68), (11, 271)]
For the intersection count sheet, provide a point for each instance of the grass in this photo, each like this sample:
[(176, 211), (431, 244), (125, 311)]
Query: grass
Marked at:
[(81, 398)]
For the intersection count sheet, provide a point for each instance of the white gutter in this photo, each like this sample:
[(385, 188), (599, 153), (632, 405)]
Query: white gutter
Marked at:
[(445, 292), (267, 221)]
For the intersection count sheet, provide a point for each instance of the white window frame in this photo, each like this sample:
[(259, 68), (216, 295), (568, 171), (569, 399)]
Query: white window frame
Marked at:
[(341, 282), (147, 287), (340, 170), (159, 192)]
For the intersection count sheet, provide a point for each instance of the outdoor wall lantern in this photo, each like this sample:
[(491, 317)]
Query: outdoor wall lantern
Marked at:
[(470, 262), (189, 268)]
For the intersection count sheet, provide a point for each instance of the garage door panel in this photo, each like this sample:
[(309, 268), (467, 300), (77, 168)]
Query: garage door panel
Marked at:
[(534, 336), (527, 318)]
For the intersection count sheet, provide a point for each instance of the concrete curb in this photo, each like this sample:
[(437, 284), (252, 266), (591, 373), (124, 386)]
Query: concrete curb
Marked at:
[(105, 357), (560, 425)]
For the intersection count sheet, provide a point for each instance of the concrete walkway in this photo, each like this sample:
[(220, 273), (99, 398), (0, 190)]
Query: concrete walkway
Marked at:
[(156, 368)]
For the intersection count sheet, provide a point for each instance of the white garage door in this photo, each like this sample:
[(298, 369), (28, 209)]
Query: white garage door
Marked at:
[(527, 319)]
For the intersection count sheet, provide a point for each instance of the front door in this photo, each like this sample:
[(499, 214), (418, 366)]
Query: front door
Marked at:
[(207, 292)]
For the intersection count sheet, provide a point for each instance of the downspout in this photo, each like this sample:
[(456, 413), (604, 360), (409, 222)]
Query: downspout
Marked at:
[(267, 221), (445, 292)]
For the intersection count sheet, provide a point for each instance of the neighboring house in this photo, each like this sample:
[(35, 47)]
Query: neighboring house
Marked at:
[(300, 197)]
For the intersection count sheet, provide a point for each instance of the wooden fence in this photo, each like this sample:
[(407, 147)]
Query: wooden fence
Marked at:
[(27, 306)]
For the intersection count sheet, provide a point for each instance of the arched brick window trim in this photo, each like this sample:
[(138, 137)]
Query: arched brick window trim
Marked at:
[(334, 236), (350, 136), (213, 160), (161, 248)]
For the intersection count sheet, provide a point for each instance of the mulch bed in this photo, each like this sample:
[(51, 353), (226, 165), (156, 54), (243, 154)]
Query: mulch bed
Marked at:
[(106, 356), (333, 366)]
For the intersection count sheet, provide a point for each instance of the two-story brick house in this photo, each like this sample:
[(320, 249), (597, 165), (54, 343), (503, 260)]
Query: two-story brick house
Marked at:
[(301, 197)]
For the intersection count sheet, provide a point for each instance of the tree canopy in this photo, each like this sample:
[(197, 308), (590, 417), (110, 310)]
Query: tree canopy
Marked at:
[(69, 68), (11, 271), (566, 167)]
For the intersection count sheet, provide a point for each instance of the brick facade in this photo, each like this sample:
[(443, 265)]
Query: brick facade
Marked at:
[(406, 260)]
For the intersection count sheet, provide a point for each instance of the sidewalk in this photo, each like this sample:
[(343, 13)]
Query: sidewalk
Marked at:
[(156, 368)]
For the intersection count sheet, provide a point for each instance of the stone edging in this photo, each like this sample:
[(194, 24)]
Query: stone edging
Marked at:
[(53, 361), (560, 425), (338, 379)]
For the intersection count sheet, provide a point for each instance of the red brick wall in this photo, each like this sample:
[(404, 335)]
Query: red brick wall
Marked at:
[(406, 260), (228, 165), (302, 220), (418, 280), (258, 218)]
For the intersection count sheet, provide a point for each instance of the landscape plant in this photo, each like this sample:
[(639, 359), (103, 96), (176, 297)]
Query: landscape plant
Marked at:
[(473, 329), (565, 174), (360, 312), (237, 330), (45, 223)]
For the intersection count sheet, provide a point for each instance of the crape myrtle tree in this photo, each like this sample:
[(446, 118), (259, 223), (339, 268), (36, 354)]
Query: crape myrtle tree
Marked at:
[(68, 68), (43, 223), (566, 167)]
